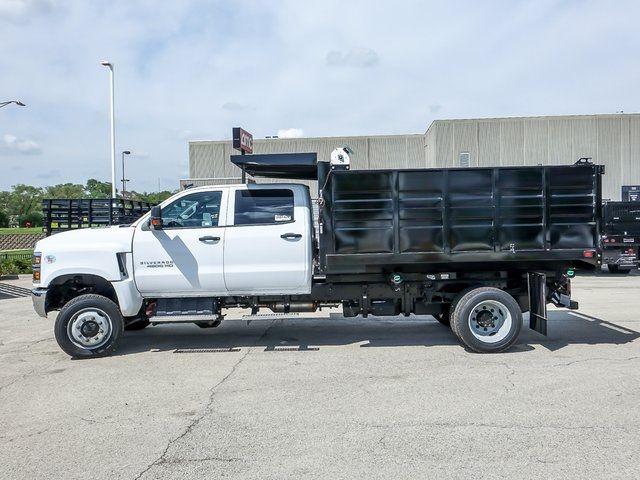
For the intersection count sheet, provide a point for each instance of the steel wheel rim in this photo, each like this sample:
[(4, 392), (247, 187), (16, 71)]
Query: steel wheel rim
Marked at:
[(490, 321), (89, 328)]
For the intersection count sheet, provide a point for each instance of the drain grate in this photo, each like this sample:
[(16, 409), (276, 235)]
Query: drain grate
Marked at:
[(206, 350), (292, 349), (263, 316)]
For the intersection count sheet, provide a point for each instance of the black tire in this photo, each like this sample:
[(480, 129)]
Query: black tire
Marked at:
[(213, 324), (454, 305), (136, 324), (109, 314), (494, 331)]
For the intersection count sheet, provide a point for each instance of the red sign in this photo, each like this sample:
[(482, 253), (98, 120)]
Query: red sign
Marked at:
[(242, 140)]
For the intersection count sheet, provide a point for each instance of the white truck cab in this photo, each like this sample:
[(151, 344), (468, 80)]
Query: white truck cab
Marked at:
[(232, 240), (205, 243)]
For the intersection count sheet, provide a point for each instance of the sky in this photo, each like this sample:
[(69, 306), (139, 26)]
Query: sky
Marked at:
[(193, 69)]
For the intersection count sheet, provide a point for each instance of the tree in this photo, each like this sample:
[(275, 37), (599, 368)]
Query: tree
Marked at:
[(4, 219), (97, 189), (24, 199), (154, 198), (5, 201), (65, 190), (33, 219)]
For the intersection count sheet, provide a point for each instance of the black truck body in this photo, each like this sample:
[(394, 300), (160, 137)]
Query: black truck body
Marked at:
[(620, 235), (541, 218)]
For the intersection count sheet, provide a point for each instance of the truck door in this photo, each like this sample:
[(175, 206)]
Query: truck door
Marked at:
[(185, 257), (268, 245)]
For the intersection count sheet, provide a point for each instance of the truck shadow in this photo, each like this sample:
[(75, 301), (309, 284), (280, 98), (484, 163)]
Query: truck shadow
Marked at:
[(565, 328)]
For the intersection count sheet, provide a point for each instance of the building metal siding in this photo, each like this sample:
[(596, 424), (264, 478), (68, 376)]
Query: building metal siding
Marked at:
[(612, 140), (209, 160)]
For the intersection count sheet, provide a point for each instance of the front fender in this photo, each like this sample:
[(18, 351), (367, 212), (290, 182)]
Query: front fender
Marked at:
[(120, 284)]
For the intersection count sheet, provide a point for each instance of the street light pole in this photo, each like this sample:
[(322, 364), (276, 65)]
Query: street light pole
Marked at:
[(113, 132), (17, 102), (125, 152)]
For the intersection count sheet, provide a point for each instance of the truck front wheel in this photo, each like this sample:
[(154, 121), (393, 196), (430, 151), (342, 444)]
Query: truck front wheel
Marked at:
[(89, 326), (486, 319)]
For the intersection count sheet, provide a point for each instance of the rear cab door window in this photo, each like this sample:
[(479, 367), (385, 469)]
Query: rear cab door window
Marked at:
[(263, 207)]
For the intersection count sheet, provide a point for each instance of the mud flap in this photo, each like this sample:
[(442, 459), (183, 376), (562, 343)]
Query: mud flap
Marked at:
[(538, 302)]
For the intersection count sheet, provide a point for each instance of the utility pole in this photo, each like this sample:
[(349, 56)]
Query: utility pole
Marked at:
[(113, 130)]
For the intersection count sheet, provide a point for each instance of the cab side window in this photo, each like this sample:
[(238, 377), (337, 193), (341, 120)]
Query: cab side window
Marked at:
[(198, 210), (263, 207)]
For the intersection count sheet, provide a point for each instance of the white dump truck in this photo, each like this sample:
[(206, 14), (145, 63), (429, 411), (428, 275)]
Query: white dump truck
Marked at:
[(475, 248)]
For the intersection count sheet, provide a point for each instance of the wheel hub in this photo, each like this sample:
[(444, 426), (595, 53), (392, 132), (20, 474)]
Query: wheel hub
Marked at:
[(485, 319), (89, 328), (489, 321)]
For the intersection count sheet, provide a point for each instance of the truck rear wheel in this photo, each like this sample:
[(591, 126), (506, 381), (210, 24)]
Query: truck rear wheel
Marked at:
[(486, 319), (89, 326)]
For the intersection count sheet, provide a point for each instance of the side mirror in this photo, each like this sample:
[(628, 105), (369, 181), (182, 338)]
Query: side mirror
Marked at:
[(155, 220)]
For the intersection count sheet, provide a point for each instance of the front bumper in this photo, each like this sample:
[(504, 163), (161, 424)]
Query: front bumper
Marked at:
[(39, 298)]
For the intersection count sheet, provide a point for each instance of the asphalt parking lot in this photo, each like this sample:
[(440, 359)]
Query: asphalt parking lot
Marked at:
[(329, 398)]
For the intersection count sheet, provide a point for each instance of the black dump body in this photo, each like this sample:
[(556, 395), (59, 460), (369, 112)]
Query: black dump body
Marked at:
[(543, 218), (621, 218)]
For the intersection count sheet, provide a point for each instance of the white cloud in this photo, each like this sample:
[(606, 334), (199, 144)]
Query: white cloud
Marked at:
[(290, 133), (23, 10), (356, 57), (234, 106), (25, 146)]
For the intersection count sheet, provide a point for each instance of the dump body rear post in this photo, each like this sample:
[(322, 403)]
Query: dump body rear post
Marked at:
[(474, 247)]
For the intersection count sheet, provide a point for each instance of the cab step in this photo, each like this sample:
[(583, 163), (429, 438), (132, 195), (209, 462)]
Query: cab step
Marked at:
[(170, 310)]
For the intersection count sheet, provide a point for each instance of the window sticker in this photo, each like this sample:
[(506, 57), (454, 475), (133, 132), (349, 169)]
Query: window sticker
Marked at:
[(282, 218)]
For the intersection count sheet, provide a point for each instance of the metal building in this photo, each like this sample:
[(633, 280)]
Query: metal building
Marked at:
[(612, 140)]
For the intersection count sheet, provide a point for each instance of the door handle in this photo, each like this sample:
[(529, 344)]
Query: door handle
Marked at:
[(209, 238), (289, 236)]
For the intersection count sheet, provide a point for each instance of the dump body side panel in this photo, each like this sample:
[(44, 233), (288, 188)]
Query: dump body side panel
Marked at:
[(448, 219)]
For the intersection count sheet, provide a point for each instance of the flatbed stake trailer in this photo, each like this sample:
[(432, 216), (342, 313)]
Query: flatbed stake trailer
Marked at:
[(474, 247)]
